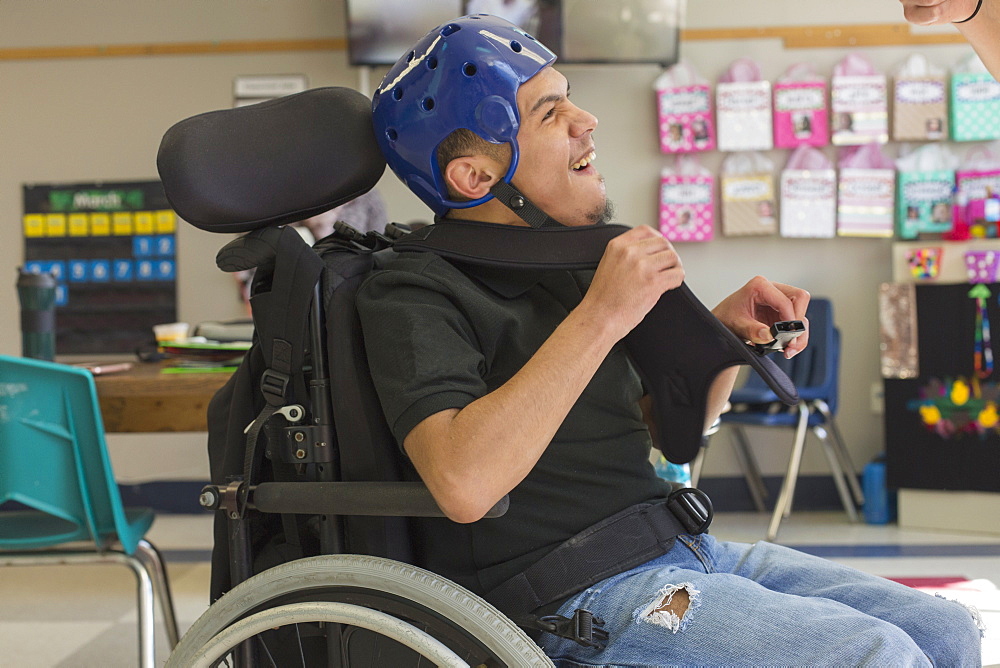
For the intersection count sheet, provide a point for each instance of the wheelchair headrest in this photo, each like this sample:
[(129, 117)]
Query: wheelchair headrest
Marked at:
[(271, 163)]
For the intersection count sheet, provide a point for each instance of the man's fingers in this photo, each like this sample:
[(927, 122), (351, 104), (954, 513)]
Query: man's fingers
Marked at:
[(799, 343), (791, 305), (798, 297)]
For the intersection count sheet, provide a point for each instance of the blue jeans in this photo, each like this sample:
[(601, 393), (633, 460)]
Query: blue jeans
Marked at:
[(708, 602)]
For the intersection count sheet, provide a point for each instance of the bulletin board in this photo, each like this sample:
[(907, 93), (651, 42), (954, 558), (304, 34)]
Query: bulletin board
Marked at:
[(940, 428), (113, 250)]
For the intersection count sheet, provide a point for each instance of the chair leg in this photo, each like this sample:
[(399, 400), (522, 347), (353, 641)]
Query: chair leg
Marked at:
[(748, 464), (147, 653), (161, 587), (840, 448), (698, 462), (788, 484), (837, 472)]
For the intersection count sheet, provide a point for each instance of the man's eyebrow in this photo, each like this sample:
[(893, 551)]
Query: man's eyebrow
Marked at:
[(549, 98)]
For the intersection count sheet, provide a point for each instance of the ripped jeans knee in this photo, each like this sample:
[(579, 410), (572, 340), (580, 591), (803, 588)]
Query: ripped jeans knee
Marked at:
[(671, 608)]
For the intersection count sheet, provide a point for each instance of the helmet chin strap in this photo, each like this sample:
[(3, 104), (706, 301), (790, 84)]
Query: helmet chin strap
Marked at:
[(512, 198)]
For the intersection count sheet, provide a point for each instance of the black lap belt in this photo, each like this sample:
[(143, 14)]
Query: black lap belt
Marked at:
[(625, 540)]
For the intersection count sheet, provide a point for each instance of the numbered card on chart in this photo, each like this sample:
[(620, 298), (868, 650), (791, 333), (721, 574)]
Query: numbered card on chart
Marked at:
[(808, 203), (865, 201), (687, 207), (743, 113)]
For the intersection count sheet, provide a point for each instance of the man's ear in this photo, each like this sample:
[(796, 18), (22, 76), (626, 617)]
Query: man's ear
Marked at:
[(471, 176)]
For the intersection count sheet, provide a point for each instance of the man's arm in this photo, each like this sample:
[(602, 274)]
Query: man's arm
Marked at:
[(982, 31), (470, 457)]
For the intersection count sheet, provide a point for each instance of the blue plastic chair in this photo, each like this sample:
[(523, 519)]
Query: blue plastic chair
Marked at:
[(54, 460), (815, 372)]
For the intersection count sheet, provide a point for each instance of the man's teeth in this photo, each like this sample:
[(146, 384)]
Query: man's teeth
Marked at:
[(585, 161)]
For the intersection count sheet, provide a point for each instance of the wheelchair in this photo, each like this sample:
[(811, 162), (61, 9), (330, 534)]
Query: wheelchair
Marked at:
[(314, 563)]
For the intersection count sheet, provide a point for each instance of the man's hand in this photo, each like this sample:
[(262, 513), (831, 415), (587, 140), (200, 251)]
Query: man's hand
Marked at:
[(636, 269), (932, 12), (750, 311)]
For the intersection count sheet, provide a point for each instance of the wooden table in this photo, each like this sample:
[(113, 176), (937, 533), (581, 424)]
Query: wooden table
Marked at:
[(144, 399)]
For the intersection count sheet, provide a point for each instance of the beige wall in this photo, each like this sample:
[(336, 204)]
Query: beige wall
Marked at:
[(64, 120)]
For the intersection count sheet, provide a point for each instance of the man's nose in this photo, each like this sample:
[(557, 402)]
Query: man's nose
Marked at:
[(583, 122)]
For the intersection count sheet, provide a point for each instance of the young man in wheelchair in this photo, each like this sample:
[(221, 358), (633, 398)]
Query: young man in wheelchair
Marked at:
[(516, 383)]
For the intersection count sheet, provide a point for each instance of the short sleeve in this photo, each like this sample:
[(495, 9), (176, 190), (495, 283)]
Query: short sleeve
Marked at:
[(421, 349)]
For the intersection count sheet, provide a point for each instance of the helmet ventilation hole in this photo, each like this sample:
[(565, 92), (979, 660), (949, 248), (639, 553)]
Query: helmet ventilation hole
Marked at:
[(391, 134), (515, 47), (469, 69), (411, 56), (432, 63), (397, 93), (427, 103), (450, 29)]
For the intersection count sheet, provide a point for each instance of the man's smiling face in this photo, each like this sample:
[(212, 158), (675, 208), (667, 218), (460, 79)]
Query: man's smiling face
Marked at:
[(557, 148)]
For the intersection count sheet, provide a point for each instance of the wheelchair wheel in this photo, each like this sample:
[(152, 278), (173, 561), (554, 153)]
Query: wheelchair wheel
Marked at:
[(422, 615)]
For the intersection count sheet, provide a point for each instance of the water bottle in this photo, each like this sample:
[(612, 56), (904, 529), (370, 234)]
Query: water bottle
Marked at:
[(37, 294), (680, 473), (880, 502)]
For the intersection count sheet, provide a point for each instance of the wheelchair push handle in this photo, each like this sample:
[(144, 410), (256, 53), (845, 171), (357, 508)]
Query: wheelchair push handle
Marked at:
[(255, 249)]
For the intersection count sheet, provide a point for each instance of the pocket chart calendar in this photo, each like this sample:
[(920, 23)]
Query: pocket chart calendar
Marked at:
[(112, 248)]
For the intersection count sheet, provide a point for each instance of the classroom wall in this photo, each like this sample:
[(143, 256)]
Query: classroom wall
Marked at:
[(88, 119)]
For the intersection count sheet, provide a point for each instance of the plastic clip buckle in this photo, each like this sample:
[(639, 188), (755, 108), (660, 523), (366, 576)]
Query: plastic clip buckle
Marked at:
[(784, 332), (692, 508), (583, 628), (274, 385)]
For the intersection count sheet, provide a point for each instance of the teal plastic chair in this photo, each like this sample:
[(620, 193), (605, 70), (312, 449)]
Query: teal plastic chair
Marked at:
[(54, 460)]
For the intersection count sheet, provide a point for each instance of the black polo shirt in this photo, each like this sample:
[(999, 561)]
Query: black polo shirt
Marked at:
[(440, 336)]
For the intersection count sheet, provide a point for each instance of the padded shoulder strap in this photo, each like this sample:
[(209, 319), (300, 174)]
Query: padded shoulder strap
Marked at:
[(679, 348)]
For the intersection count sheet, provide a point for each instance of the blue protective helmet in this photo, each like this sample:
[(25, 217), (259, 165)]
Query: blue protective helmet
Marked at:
[(463, 74)]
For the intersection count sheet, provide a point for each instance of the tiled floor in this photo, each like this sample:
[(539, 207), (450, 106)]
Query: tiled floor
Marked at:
[(84, 616)]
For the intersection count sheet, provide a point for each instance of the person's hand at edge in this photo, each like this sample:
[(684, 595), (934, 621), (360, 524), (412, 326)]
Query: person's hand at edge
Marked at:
[(978, 21), (934, 12)]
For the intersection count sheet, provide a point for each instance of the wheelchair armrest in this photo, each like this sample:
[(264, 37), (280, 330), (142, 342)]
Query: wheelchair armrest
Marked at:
[(386, 499)]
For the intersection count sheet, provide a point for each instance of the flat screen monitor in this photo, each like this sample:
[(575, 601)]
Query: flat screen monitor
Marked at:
[(579, 31), (380, 31), (620, 31)]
